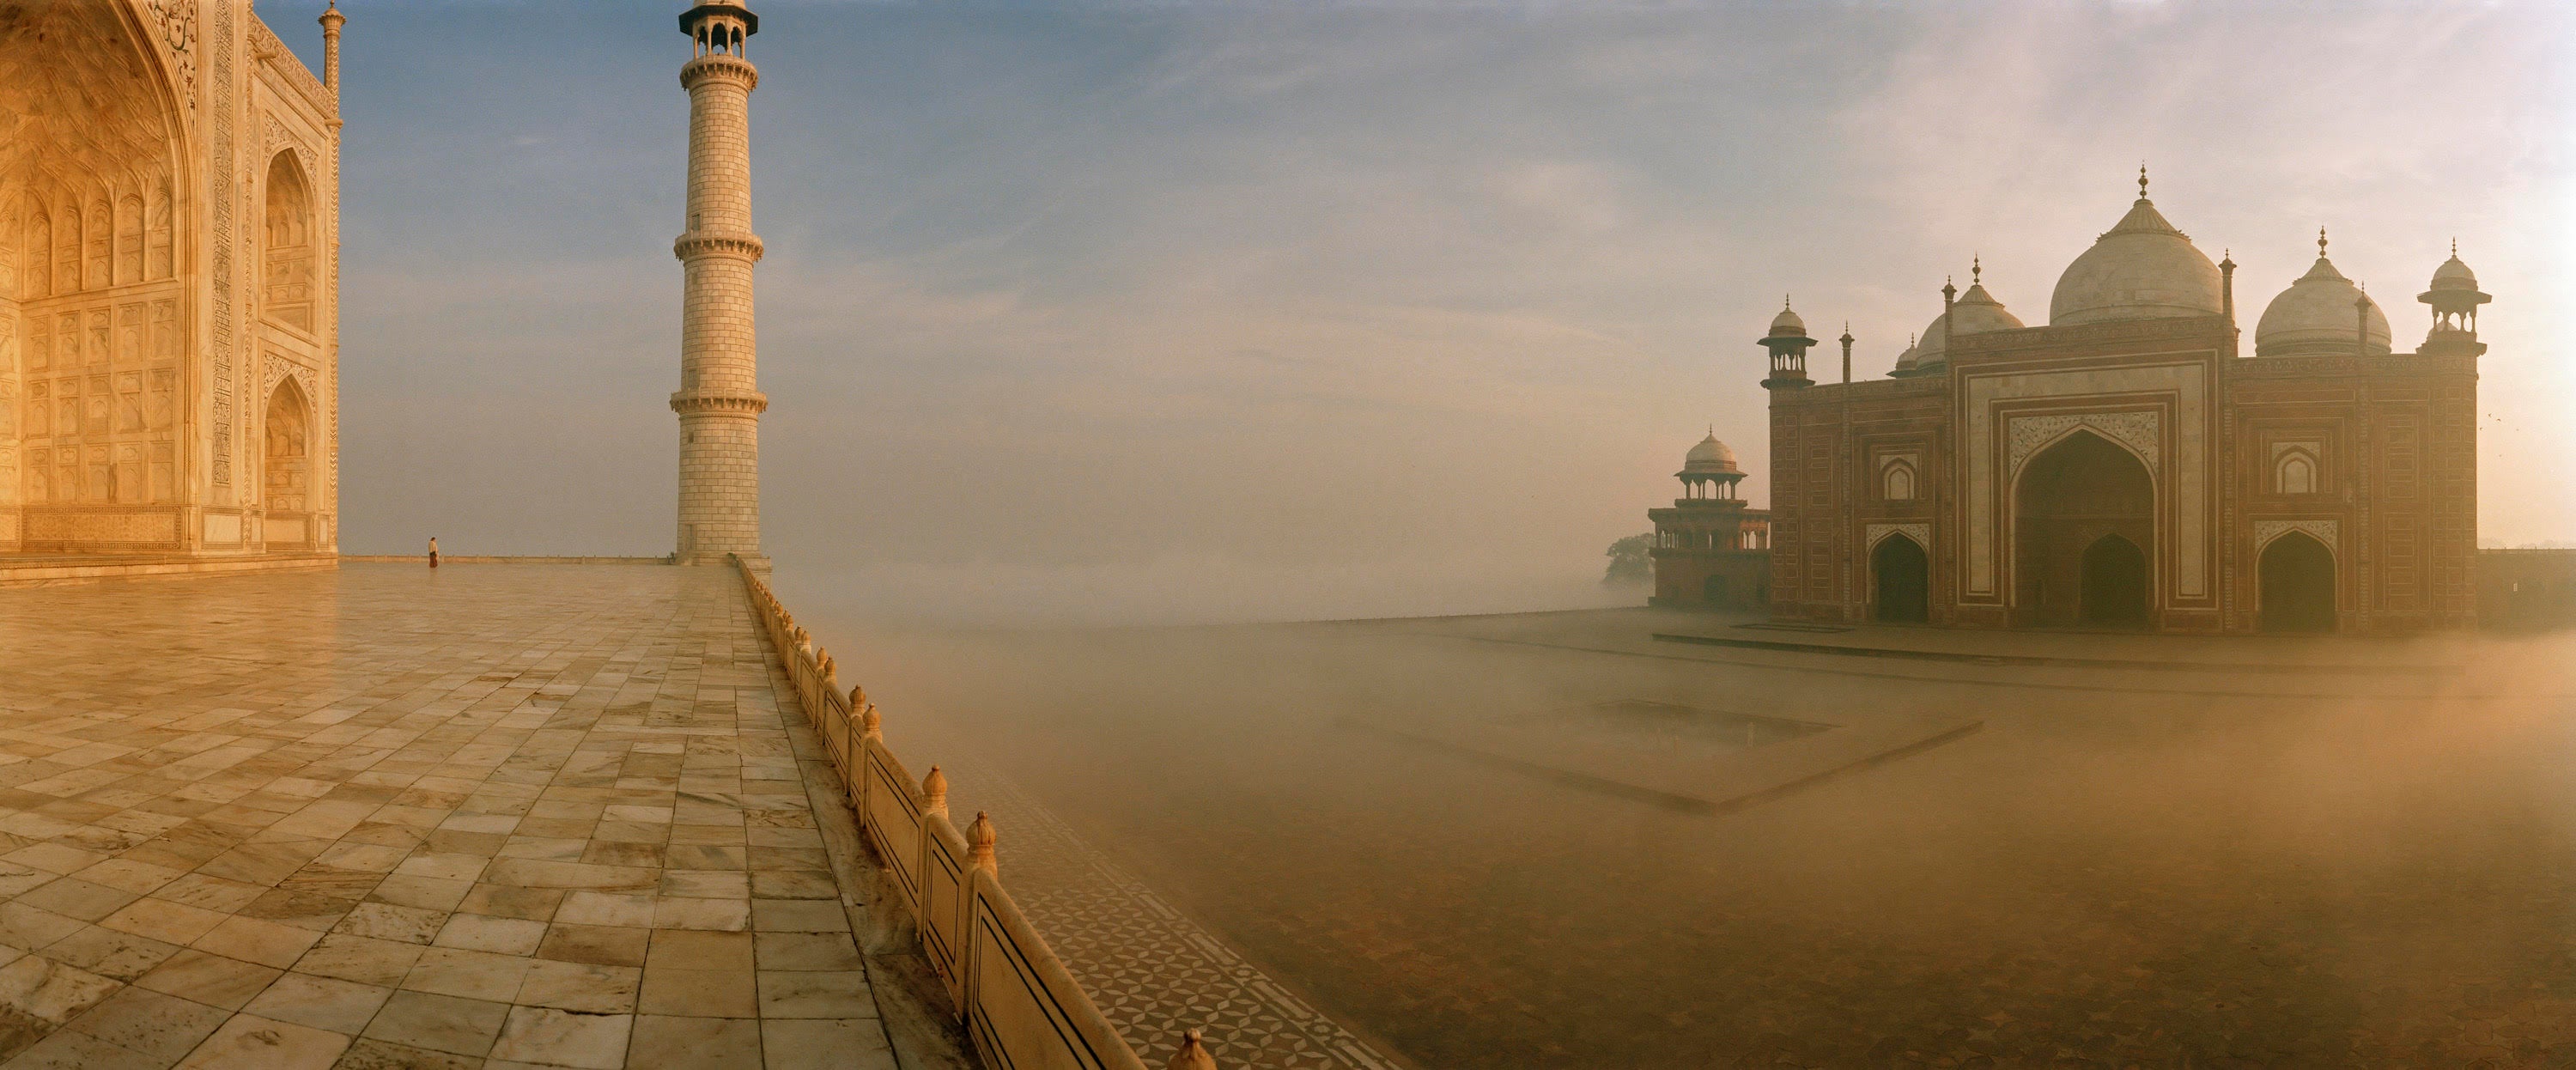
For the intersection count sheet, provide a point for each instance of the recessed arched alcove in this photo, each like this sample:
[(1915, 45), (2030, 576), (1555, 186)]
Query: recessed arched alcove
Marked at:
[(287, 466), (2084, 536), (1900, 581), (89, 151), (287, 260), (2296, 574)]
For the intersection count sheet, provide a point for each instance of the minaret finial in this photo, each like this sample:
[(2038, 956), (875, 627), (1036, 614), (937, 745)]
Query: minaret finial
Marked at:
[(2142, 180)]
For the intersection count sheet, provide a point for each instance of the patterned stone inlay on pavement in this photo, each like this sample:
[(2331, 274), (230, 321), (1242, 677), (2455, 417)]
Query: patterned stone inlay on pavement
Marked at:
[(386, 816), (1152, 971)]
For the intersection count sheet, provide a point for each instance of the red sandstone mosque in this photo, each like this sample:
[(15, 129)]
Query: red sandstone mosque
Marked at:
[(2127, 464)]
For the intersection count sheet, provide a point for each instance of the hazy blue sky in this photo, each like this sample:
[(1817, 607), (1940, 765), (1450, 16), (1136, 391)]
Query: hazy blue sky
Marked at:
[(1265, 309)]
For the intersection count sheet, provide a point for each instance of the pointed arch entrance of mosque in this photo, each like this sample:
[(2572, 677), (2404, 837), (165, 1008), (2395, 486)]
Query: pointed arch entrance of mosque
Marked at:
[(1901, 581), (2297, 574), (2114, 590), (2084, 536)]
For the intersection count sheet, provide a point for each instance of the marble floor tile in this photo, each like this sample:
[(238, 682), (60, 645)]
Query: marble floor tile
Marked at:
[(321, 1002), (527, 815)]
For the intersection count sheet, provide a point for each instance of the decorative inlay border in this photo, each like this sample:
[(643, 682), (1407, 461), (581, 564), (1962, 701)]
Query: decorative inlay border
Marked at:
[(2325, 530), (2184, 492), (177, 21), (277, 136), (220, 205), (1920, 533), (2142, 432)]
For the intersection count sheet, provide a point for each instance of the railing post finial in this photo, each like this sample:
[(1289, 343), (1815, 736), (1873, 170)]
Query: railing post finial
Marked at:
[(1193, 1054), (934, 792), (979, 843), (870, 725)]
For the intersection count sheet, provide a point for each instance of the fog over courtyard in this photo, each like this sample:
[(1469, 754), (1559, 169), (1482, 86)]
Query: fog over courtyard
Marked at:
[(1484, 841)]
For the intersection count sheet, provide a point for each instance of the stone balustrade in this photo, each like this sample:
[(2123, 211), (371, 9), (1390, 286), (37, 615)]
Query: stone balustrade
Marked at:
[(1020, 1006)]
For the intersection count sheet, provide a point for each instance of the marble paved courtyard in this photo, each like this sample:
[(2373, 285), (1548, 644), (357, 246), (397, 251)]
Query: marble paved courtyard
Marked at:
[(488, 817)]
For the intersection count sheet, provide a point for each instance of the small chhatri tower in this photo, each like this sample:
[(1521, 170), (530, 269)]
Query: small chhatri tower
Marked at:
[(719, 400), (1710, 549)]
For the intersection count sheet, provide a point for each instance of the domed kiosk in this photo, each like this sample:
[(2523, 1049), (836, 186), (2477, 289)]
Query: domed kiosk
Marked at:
[(2135, 462), (1710, 550)]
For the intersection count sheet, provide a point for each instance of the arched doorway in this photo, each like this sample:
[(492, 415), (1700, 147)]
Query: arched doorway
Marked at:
[(2084, 536), (2298, 580), (1901, 575), (2114, 590), (289, 467)]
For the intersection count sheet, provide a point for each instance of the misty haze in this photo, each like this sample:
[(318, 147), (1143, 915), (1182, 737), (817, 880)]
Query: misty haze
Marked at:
[(1267, 534)]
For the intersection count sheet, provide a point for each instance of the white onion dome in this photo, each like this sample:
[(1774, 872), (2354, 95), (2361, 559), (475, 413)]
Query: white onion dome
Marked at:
[(2315, 316), (2142, 268), (2454, 275), (1787, 324), (1710, 458)]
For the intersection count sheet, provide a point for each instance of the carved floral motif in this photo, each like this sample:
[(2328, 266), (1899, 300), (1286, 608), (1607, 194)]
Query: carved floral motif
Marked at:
[(2140, 431), (176, 22), (1920, 533), (2326, 531)]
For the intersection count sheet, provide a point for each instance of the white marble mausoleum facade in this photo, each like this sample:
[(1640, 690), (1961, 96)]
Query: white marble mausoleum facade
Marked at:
[(169, 189)]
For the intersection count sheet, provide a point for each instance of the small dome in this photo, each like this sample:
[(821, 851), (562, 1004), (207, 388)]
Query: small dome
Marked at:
[(2142, 268), (1710, 457), (2315, 316), (2454, 275), (1906, 361), (1787, 324), (1975, 312)]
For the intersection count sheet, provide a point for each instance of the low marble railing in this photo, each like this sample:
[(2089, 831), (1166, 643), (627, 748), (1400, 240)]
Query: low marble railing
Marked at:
[(1021, 1007)]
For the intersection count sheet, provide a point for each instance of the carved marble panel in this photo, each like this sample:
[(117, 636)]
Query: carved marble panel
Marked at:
[(2325, 530)]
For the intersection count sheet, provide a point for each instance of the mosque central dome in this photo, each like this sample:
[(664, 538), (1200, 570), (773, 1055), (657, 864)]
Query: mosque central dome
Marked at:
[(2143, 268)]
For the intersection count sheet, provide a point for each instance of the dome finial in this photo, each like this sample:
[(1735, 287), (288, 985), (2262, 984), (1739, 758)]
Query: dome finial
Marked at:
[(2455, 248), (1784, 302), (2321, 243), (2142, 180), (1976, 269)]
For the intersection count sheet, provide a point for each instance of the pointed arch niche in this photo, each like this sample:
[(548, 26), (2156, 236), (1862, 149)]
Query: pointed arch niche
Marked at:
[(287, 463), (288, 264), (2084, 534), (89, 269)]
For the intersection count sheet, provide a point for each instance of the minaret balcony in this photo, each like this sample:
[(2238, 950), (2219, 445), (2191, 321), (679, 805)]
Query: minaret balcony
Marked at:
[(739, 244), (746, 403), (719, 66)]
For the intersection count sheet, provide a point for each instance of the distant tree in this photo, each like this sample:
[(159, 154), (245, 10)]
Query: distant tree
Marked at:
[(1629, 564)]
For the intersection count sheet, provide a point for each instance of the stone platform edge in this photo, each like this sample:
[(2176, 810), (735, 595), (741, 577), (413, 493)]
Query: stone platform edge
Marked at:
[(501, 559), (59, 571)]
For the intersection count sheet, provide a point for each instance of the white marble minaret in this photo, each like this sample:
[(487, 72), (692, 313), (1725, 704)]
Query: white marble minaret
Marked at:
[(719, 399)]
